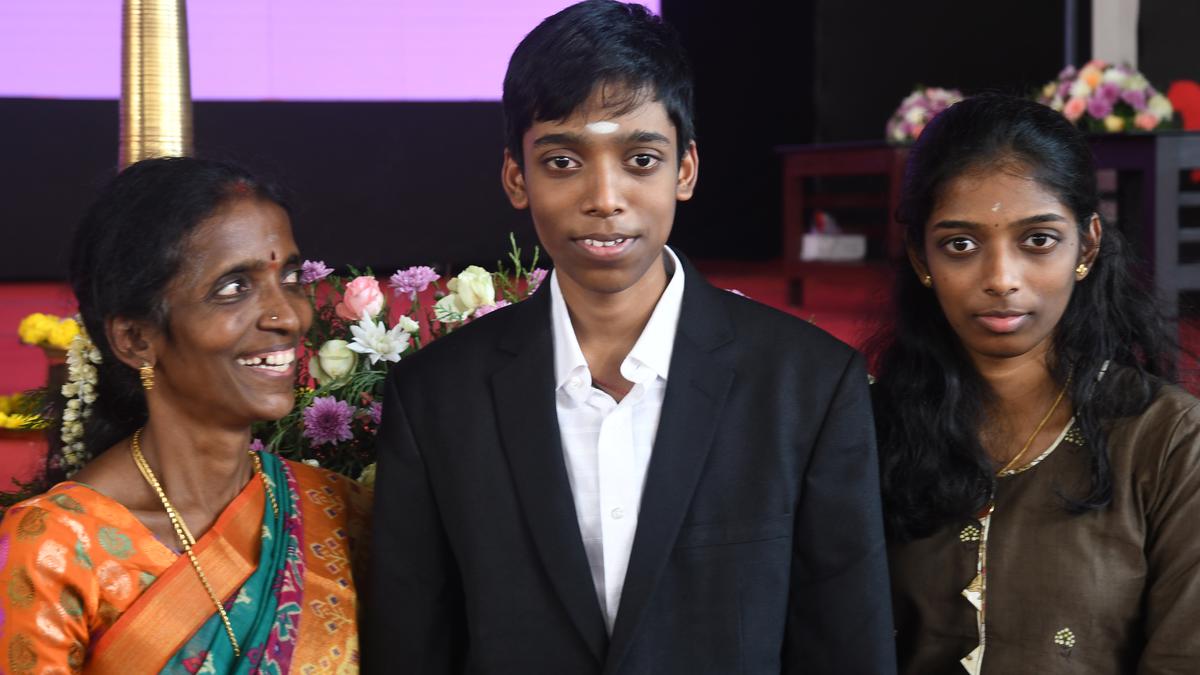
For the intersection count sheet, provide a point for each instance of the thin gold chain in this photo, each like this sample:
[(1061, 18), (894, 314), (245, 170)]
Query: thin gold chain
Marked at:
[(1041, 425), (185, 535)]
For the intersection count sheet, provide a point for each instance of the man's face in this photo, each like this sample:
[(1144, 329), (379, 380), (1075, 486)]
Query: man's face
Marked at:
[(601, 188)]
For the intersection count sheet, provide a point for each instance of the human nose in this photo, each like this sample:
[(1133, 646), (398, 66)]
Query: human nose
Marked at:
[(603, 199), (1001, 273), (281, 314)]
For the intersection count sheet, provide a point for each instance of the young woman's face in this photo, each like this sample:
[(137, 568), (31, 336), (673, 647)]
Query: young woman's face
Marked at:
[(1002, 253), (237, 312)]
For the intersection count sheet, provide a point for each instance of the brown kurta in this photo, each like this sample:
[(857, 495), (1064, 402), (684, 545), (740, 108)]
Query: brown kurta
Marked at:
[(1115, 591)]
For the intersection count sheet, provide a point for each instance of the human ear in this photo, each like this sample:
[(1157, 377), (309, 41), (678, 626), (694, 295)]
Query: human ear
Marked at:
[(132, 341), (1090, 244), (512, 177), (689, 171), (919, 266)]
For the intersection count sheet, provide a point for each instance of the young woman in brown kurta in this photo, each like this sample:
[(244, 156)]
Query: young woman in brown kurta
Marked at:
[(1041, 476)]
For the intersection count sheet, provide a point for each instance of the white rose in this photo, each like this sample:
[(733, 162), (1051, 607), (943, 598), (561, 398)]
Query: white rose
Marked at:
[(1080, 89), (333, 362), (451, 309), (368, 476), (1137, 81), (408, 325), (1114, 75), (1161, 107), (473, 287)]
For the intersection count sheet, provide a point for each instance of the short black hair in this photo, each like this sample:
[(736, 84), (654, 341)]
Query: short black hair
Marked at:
[(591, 44), (126, 251)]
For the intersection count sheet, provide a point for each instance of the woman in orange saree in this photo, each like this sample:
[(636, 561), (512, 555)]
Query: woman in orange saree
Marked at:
[(189, 286)]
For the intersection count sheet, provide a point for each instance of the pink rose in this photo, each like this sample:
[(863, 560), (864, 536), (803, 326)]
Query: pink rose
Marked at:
[(1075, 108), (362, 295), (1146, 121)]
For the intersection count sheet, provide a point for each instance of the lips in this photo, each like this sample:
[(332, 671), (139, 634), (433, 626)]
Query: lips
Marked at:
[(276, 363), (1004, 321), (605, 246)]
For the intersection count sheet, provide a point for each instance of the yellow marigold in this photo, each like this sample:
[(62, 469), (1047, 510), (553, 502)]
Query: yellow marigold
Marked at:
[(61, 335), (35, 328), (17, 421)]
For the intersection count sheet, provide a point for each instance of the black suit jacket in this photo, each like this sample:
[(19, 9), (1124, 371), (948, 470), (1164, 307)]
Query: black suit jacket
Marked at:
[(759, 546)]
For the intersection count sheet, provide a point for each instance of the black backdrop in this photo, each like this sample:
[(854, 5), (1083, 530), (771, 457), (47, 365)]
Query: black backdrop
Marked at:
[(390, 184)]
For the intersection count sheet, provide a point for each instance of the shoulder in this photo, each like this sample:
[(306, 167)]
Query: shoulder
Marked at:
[(1160, 445), (322, 484), (770, 333)]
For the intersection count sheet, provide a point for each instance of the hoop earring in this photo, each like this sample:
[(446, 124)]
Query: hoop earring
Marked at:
[(1081, 271), (146, 372), (927, 281)]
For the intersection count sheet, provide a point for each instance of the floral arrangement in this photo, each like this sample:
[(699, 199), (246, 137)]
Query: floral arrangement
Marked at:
[(1104, 97), (358, 331), (20, 412), (47, 331), (916, 110), (78, 392)]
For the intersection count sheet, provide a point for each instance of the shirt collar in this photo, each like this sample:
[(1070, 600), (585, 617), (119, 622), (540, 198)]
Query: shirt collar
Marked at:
[(651, 354)]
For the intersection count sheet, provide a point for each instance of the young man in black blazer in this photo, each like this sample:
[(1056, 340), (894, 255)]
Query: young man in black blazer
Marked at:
[(632, 472)]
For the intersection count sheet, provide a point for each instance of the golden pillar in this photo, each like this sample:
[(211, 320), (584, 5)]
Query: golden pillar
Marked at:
[(156, 92)]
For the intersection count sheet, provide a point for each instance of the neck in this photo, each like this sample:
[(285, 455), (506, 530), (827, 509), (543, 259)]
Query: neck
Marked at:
[(200, 468), (607, 325), (1023, 391)]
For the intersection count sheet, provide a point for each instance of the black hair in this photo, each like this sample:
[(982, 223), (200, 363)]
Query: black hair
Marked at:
[(930, 400), (124, 254), (622, 48)]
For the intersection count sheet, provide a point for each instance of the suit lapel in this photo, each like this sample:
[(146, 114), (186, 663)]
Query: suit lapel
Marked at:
[(696, 390), (525, 408)]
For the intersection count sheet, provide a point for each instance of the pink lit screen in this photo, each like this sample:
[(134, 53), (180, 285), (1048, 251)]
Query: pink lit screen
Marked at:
[(412, 50)]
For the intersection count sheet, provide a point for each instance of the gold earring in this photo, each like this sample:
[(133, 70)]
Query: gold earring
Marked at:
[(927, 281), (1081, 271), (146, 372)]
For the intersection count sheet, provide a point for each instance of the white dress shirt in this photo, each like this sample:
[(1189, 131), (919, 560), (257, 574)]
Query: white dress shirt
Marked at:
[(606, 444)]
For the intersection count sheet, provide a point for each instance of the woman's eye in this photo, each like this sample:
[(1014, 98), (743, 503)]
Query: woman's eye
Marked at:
[(644, 161), (960, 245), (561, 162), (1041, 240), (231, 288), (292, 277)]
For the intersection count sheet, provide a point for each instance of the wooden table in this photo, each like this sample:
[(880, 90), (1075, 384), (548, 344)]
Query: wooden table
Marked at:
[(804, 168)]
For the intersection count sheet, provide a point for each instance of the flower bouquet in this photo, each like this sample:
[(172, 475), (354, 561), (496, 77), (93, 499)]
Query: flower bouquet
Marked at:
[(1108, 98), (916, 110), (357, 332)]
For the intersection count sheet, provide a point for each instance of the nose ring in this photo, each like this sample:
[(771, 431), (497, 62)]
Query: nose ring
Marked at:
[(274, 317)]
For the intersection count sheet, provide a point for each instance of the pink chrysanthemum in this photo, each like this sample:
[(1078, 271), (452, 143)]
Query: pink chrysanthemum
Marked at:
[(314, 270), (327, 420), (412, 280)]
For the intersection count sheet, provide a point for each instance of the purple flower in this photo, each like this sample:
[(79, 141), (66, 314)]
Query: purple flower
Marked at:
[(536, 277), (412, 280), (488, 309), (1135, 98), (327, 420), (256, 445), (375, 413), (1109, 91), (313, 270), (1098, 107)]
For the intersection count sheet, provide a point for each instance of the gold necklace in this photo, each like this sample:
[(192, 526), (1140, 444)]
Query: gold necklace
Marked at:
[(185, 535), (1041, 425)]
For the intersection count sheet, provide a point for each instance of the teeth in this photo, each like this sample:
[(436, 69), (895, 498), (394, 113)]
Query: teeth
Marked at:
[(603, 244), (275, 361)]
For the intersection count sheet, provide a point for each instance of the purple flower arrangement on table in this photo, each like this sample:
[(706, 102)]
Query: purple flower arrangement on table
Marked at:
[(357, 332), (916, 110), (1108, 98)]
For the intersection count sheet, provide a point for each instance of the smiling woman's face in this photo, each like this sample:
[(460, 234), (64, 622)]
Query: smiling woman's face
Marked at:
[(237, 312), (1002, 253)]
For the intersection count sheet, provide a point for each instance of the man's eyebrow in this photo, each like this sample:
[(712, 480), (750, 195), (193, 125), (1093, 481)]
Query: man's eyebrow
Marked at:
[(640, 136), (562, 138), (1024, 222)]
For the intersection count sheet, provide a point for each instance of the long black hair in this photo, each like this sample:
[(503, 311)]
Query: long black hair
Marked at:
[(930, 400), (124, 253)]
